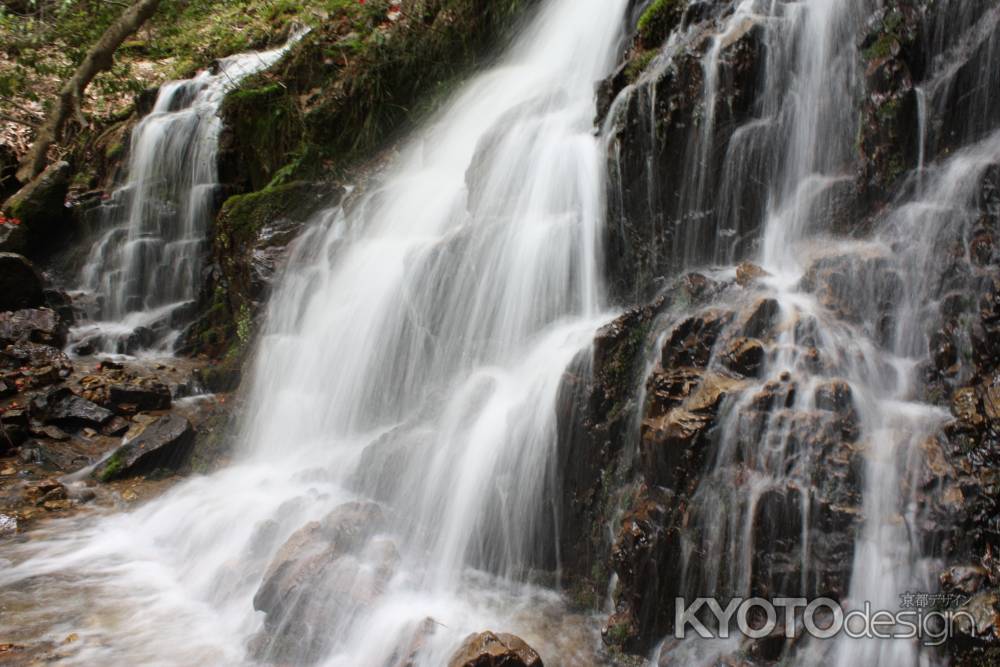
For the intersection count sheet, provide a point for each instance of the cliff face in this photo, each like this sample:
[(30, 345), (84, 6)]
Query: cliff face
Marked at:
[(712, 474)]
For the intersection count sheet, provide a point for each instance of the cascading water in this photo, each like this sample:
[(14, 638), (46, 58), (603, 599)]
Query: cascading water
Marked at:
[(395, 490), (839, 383), (412, 355), (146, 265)]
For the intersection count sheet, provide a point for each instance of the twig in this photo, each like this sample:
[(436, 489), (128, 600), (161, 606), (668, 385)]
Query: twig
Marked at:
[(18, 121)]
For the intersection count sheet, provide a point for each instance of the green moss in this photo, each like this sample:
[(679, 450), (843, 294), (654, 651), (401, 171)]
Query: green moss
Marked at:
[(111, 468), (659, 20), (242, 216), (638, 64)]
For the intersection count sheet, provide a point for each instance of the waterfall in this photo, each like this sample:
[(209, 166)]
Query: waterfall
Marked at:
[(398, 482), (412, 355), (145, 267), (843, 369)]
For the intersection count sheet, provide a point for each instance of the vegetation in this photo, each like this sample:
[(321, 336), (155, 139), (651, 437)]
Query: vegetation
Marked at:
[(659, 20)]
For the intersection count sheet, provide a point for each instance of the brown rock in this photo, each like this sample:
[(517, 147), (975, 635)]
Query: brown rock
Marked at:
[(749, 273), (965, 405), (495, 650), (691, 341), (744, 356), (760, 319)]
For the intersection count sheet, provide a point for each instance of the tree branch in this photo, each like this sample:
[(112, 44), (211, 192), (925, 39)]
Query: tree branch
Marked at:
[(98, 59)]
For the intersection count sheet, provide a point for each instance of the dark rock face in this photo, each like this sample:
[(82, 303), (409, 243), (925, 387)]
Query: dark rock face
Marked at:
[(890, 136), (13, 238), (64, 408), (40, 325), (495, 650), (8, 172), (660, 219), (20, 283), (139, 397), (165, 443), (40, 206), (317, 569)]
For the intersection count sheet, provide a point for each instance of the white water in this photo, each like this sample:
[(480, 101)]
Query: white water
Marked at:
[(440, 308), (147, 262)]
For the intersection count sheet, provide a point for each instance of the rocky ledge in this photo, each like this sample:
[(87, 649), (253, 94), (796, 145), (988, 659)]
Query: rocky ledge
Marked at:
[(78, 430)]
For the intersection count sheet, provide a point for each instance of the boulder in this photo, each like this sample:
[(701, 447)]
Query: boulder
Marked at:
[(139, 397), (487, 649), (65, 409), (326, 568), (37, 325), (748, 273), (20, 283), (41, 204), (164, 444), (13, 238)]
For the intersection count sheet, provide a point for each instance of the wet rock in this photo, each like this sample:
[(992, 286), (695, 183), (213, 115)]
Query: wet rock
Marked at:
[(966, 406), (65, 409), (646, 553), (889, 135), (163, 444), (115, 427), (142, 338), (655, 223), (759, 320), (139, 396), (45, 491), (673, 446), (964, 579), (408, 651), (691, 342), (748, 274), (41, 325), (8, 525), (596, 409), (668, 389), (12, 435), (325, 568), (48, 431), (36, 356), (981, 618), (20, 283), (495, 650), (744, 356)]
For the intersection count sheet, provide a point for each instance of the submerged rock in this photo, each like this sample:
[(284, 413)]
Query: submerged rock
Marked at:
[(326, 568), (495, 650)]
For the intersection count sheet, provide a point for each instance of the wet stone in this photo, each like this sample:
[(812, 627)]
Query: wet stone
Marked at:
[(495, 650)]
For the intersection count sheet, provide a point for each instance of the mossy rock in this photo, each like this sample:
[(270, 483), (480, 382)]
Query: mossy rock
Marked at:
[(659, 20)]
